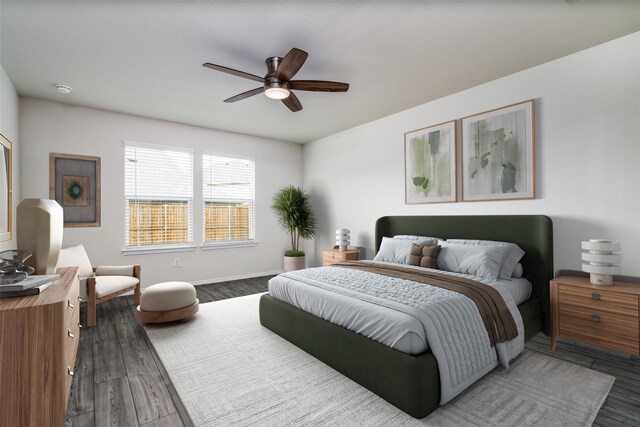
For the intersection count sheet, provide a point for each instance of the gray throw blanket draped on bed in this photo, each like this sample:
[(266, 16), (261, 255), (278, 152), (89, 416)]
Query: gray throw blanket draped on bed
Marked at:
[(495, 314), (452, 322)]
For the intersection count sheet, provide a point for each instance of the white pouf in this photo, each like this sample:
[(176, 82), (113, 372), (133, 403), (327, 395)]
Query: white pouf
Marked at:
[(167, 302)]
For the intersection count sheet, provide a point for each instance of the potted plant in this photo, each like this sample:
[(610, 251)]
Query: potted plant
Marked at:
[(292, 206)]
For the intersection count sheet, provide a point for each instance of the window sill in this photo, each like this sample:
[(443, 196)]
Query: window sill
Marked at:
[(141, 250), (228, 245)]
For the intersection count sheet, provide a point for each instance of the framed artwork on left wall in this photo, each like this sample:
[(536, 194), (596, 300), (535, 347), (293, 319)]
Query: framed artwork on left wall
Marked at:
[(430, 164), (74, 182), (5, 188)]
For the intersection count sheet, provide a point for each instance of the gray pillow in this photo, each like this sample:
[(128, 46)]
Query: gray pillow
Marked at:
[(513, 256), (420, 240), (482, 261), (396, 250)]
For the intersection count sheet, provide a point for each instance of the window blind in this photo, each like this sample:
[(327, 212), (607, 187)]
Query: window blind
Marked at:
[(229, 198), (159, 195)]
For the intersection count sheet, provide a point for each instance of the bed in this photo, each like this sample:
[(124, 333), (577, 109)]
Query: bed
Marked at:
[(412, 382)]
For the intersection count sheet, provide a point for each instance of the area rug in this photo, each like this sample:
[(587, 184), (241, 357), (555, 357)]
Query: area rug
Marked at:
[(230, 371)]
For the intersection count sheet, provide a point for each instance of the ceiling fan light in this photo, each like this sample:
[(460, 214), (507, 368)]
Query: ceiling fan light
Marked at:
[(276, 92)]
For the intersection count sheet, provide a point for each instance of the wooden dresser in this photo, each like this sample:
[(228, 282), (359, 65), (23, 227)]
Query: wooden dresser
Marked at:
[(329, 256), (606, 316), (38, 343)]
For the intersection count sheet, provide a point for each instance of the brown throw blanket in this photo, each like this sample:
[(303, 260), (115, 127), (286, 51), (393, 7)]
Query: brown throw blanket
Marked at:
[(495, 314)]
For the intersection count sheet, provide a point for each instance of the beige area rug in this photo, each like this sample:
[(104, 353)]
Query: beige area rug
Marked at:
[(231, 371)]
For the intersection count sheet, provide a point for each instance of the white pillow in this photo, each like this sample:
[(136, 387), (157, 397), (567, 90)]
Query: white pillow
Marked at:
[(396, 250), (76, 256), (478, 260), (513, 256), (428, 241), (518, 271)]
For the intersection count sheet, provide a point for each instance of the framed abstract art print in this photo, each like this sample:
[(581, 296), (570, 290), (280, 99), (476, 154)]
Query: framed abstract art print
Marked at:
[(498, 161), (430, 164)]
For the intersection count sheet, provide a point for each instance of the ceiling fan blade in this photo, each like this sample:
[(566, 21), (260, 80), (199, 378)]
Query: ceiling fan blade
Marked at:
[(245, 95), (292, 102), (233, 72), (291, 64), (319, 86)]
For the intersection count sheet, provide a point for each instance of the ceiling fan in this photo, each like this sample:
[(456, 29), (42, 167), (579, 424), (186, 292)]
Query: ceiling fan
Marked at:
[(277, 83)]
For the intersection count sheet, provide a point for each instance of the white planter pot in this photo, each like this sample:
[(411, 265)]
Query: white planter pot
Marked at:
[(292, 263)]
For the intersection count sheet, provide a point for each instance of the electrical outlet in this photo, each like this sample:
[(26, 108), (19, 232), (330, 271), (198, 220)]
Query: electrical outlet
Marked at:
[(176, 262)]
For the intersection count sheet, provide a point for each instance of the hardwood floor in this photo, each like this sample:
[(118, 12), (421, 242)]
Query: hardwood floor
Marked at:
[(121, 382), (119, 379)]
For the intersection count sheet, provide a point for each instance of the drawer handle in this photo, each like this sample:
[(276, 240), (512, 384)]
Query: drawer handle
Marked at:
[(80, 299), (69, 304), (79, 325), (595, 296), (595, 318), (70, 333), (70, 372)]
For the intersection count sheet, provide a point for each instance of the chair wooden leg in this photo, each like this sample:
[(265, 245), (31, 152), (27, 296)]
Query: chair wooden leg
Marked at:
[(91, 301), (136, 294)]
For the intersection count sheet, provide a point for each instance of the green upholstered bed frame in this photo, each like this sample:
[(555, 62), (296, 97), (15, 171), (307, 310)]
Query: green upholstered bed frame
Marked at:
[(412, 383)]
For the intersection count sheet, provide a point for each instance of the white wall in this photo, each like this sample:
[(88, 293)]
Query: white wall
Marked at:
[(587, 150), (48, 127)]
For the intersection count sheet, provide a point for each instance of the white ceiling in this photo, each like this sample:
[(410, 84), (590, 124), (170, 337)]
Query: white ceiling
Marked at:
[(145, 58)]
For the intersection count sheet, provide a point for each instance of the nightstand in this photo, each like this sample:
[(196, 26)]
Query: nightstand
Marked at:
[(330, 256), (606, 316)]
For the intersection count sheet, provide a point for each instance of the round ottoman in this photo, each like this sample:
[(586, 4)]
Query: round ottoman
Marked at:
[(168, 302)]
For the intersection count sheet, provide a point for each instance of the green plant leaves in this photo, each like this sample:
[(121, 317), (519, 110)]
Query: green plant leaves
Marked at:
[(292, 206)]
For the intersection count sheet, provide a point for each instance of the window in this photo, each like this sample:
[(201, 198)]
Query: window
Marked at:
[(229, 199), (159, 196)]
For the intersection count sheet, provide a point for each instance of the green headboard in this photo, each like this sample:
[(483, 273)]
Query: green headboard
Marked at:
[(533, 233)]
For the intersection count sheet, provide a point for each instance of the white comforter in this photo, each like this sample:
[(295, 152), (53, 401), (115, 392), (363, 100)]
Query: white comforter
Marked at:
[(447, 322)]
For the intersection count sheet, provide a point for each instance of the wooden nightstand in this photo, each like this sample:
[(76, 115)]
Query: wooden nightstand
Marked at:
[(329, 256), (606, 316)]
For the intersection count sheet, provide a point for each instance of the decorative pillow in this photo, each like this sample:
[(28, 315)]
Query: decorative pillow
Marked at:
[(513, 256), (76, 256), (478, 260), (431, 241), (396, 250), (424, 256)]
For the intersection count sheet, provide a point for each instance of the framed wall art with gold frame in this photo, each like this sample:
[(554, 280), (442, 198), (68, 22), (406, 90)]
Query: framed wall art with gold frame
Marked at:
[(430, 164), (498, 154), (6, 189)]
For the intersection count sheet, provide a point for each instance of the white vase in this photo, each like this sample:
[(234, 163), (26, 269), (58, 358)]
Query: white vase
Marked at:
[(292, 263)]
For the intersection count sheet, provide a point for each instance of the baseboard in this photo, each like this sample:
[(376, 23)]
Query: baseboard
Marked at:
[(238, 277), (222, 279)]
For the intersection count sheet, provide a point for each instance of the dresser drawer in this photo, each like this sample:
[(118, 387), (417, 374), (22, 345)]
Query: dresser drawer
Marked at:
[(612, 330), (601, 300)]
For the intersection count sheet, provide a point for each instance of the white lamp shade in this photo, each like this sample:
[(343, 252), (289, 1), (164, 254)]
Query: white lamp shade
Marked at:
[(600, 261), (343, 238)]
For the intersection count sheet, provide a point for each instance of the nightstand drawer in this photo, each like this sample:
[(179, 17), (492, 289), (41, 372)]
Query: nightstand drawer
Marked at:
[(616, 331), (596, 299), (330, 256)]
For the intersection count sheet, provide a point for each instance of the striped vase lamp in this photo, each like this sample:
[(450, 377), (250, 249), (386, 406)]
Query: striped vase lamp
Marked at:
[(342, 238), (600, 260)]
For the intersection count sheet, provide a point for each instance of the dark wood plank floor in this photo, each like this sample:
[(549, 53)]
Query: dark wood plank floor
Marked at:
[(121, 382), (119, 379)]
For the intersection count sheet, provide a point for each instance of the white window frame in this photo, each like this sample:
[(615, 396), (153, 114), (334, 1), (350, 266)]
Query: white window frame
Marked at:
[(252, 241), (150, 249)]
